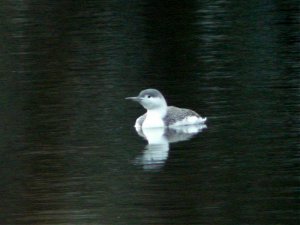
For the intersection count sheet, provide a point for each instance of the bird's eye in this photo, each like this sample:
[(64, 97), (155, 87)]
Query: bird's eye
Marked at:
[(148, 96)]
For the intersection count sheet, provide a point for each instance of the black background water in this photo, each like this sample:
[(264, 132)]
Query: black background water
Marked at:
[(67, 143)]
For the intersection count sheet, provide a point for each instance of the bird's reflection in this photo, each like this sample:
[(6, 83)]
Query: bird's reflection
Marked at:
[(156, 152)]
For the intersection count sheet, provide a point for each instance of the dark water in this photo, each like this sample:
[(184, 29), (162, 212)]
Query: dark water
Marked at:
[(68, 151)]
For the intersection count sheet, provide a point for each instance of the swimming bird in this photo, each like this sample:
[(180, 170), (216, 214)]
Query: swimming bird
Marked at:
[(159, 114)]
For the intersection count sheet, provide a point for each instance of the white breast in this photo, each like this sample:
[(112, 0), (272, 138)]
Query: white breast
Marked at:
[(153, 119)]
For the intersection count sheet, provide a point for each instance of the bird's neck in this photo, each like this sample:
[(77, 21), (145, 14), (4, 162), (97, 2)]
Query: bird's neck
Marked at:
[(154, 117), (158, 112)]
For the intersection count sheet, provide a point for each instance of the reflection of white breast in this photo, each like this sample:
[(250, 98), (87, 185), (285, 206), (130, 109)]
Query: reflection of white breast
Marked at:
[(155, 154), (155, 136), (157, 150)]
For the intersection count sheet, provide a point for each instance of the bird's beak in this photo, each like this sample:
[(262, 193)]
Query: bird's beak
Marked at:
[(136, 99)]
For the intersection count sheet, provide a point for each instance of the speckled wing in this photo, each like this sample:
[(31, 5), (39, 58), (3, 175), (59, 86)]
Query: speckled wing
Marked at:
[(176, 115)]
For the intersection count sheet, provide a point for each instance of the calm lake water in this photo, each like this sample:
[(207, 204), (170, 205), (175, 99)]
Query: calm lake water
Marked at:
[(69, 153)]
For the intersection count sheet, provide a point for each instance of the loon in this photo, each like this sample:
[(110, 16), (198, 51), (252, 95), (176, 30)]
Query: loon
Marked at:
[(159, 114)]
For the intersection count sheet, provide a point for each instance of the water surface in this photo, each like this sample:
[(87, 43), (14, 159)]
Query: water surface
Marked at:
[(68, 151)]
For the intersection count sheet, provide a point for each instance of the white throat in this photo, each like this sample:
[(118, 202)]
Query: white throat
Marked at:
[(154, 117)]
